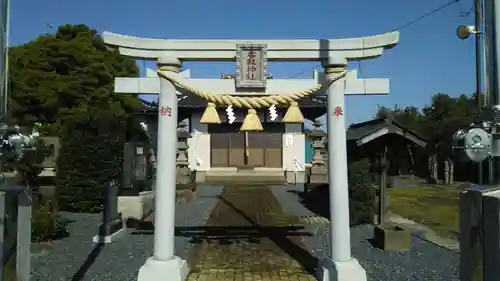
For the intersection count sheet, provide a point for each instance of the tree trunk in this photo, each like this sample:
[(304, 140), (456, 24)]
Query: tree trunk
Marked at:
[(434, 168), (412, 160), (452, 171), (446, 171), (429, 169), (382, 200)]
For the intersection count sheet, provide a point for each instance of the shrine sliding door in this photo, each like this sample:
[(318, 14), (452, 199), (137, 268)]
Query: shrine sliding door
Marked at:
[(265, 149), (227, 145), (233, 148)]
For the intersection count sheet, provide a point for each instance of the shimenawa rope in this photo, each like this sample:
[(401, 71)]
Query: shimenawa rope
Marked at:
[(251, 121)]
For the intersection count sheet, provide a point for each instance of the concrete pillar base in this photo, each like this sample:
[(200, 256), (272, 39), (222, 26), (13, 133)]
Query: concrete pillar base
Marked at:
[(350, 270), (175, 269)]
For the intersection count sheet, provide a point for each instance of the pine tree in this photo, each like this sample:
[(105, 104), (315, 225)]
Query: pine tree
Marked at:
[(73, 68), (67, 79)]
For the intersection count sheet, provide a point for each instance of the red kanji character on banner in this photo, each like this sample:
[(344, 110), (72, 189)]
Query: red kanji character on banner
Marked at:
[(166, 111), (338, 111)]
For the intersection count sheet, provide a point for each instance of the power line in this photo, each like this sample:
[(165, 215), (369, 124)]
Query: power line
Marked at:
[(411, 22), (302, 72), (427, 14), (468, 13)]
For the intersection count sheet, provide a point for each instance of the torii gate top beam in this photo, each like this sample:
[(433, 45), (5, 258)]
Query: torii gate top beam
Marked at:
[(277, 50)]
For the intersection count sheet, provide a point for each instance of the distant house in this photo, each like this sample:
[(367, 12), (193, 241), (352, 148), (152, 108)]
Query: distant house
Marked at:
[(406, 149)]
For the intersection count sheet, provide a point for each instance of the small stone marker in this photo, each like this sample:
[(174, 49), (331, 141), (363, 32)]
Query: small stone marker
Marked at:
[(112, 223)]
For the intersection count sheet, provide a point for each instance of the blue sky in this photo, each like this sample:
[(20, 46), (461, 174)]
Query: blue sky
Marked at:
[(429, 58)]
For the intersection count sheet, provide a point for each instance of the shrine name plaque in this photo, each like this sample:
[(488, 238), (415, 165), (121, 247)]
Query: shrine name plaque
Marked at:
[(251, 63)]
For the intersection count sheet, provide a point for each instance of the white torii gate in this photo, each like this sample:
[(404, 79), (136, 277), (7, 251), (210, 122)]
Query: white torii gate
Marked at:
[(334, 56)]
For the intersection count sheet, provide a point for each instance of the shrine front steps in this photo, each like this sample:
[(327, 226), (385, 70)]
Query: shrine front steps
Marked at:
[(244, 176)]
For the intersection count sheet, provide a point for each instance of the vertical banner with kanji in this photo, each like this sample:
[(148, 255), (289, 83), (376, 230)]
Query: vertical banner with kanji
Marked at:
[(165, 111), (167, 134)]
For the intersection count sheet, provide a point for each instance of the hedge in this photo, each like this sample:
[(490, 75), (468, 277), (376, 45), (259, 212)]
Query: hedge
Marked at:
[(361, 192), (91, 154)]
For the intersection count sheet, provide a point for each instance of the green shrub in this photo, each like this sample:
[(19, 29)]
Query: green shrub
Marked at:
[(47, 224), (361, 192), (91, 154)]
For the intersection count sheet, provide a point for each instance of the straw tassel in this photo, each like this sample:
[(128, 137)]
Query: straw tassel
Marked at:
[(251, 122), (293, 114), (210, 116)]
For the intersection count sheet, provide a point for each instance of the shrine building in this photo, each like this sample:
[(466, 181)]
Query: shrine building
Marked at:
[(216, 149)]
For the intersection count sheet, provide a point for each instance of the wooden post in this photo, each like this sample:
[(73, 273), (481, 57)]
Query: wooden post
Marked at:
[(247, 149), (435, 167), (375, 169), (383, 186)]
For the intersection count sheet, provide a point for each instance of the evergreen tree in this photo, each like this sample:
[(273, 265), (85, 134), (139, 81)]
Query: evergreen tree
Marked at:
[(67, 79), (73, 68), (91, 155)]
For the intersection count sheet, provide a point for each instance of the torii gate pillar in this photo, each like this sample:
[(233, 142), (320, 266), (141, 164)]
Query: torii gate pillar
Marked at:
[(164, 265), (340, 266)]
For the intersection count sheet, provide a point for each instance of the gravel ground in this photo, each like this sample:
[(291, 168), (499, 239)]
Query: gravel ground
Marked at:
[(76, 258), (425, 261)]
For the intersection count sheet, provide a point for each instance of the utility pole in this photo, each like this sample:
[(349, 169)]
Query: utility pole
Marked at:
[(4, 100), (491, 37), (477, 28), (479, 227), (483, 100), (479, 94)]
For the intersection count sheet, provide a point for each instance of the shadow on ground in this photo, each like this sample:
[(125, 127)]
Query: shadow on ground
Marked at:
[(89, 261), (284, 237), (226, 234), (296, 252), (316, 199)]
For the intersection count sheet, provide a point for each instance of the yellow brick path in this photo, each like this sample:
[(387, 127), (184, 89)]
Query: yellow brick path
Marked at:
[(248, 238)]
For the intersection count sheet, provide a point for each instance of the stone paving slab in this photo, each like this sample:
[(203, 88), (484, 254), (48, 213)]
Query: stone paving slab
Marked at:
[(425, 232), (248, 237)]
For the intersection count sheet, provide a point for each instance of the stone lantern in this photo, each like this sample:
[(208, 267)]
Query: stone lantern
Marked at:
[(182, 162), (318, 172)]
